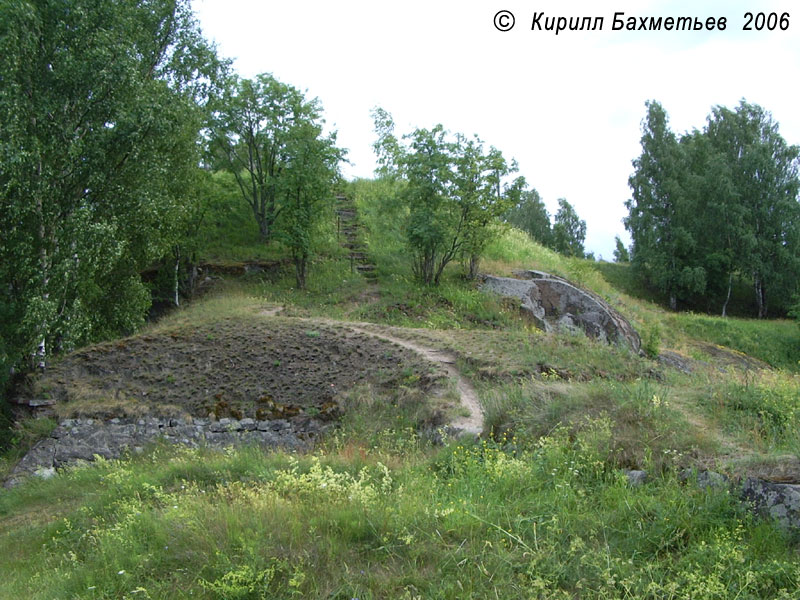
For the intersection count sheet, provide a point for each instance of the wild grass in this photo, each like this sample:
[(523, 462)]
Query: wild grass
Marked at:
[(774, 341), (400, 518), (763, 409), (647, 432), (388, 507)]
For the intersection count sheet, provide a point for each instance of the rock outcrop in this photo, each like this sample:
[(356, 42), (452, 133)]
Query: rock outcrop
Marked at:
[(779, 501), (555, 304)]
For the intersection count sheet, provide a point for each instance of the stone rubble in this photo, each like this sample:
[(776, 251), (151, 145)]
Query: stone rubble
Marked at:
[(767, 499), (77, 440)]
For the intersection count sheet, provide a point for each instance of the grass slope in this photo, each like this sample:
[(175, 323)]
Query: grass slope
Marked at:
[(539, 508)]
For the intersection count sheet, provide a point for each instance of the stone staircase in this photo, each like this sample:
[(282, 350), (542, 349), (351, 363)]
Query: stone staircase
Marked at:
[(350, 235)]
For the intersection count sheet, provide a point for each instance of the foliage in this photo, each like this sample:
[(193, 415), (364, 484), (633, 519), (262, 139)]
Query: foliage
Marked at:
[(228, 231), (249, 131), (763, 194), (309, 177), (569, 230), (452, 188), (651, 341), (269, 137), (621, 254), (101, 108), (716, 206), (659, 214), (511, 518), (529, 214)]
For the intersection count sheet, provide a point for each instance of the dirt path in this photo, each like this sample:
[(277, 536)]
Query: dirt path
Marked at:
[(471, 424)]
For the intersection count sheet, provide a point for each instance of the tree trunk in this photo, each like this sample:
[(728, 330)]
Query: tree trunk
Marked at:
[(758, 285), (263, 228), (39, 358), (673, 301), (300, 267), (426, 263), (728, 297), (176, 251), (474, 264), (192, 275)]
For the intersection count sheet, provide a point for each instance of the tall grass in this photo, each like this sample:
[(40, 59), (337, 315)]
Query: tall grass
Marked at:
[(507, 519)]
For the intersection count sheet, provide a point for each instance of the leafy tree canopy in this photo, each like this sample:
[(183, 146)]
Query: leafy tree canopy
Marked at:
[(569, 230), (101, 103), (529, 214), (254, 126), (453, 190), (714, 204)]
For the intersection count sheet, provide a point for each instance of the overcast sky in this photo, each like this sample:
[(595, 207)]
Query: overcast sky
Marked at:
[(568, 108)]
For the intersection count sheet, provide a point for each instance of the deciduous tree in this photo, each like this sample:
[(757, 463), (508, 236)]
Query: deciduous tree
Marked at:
[(659, 213), (621, 254), (306, 187), (763, 214), (452, 190), (569, 230), (101, 105), (529, 213), (254, 123)]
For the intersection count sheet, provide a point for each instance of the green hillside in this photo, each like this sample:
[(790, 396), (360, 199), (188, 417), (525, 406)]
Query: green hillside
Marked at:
[(230, 369), (540, 506)]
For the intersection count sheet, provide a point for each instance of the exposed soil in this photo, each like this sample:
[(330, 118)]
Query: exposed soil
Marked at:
[(472, 421), (257, 368)]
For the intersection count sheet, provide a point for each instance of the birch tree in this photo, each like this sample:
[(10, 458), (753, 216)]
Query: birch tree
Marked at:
[(101, 106)]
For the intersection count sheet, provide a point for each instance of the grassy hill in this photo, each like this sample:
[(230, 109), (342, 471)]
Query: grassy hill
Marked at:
[(539, 507)]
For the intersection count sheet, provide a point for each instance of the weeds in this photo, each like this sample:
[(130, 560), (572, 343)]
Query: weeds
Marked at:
[(506, 518)]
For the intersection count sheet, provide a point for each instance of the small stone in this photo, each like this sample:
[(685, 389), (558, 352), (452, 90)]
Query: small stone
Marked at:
[(279, 424), (247, 424), (710, 479), (636, 478)]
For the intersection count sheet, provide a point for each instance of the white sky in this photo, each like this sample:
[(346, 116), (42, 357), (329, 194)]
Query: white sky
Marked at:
[(568, 108)]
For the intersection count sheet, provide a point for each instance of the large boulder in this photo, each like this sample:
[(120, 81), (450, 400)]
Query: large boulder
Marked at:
[(555, 304)]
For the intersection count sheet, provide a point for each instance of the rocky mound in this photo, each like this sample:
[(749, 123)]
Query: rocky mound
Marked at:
[(556, 304)]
